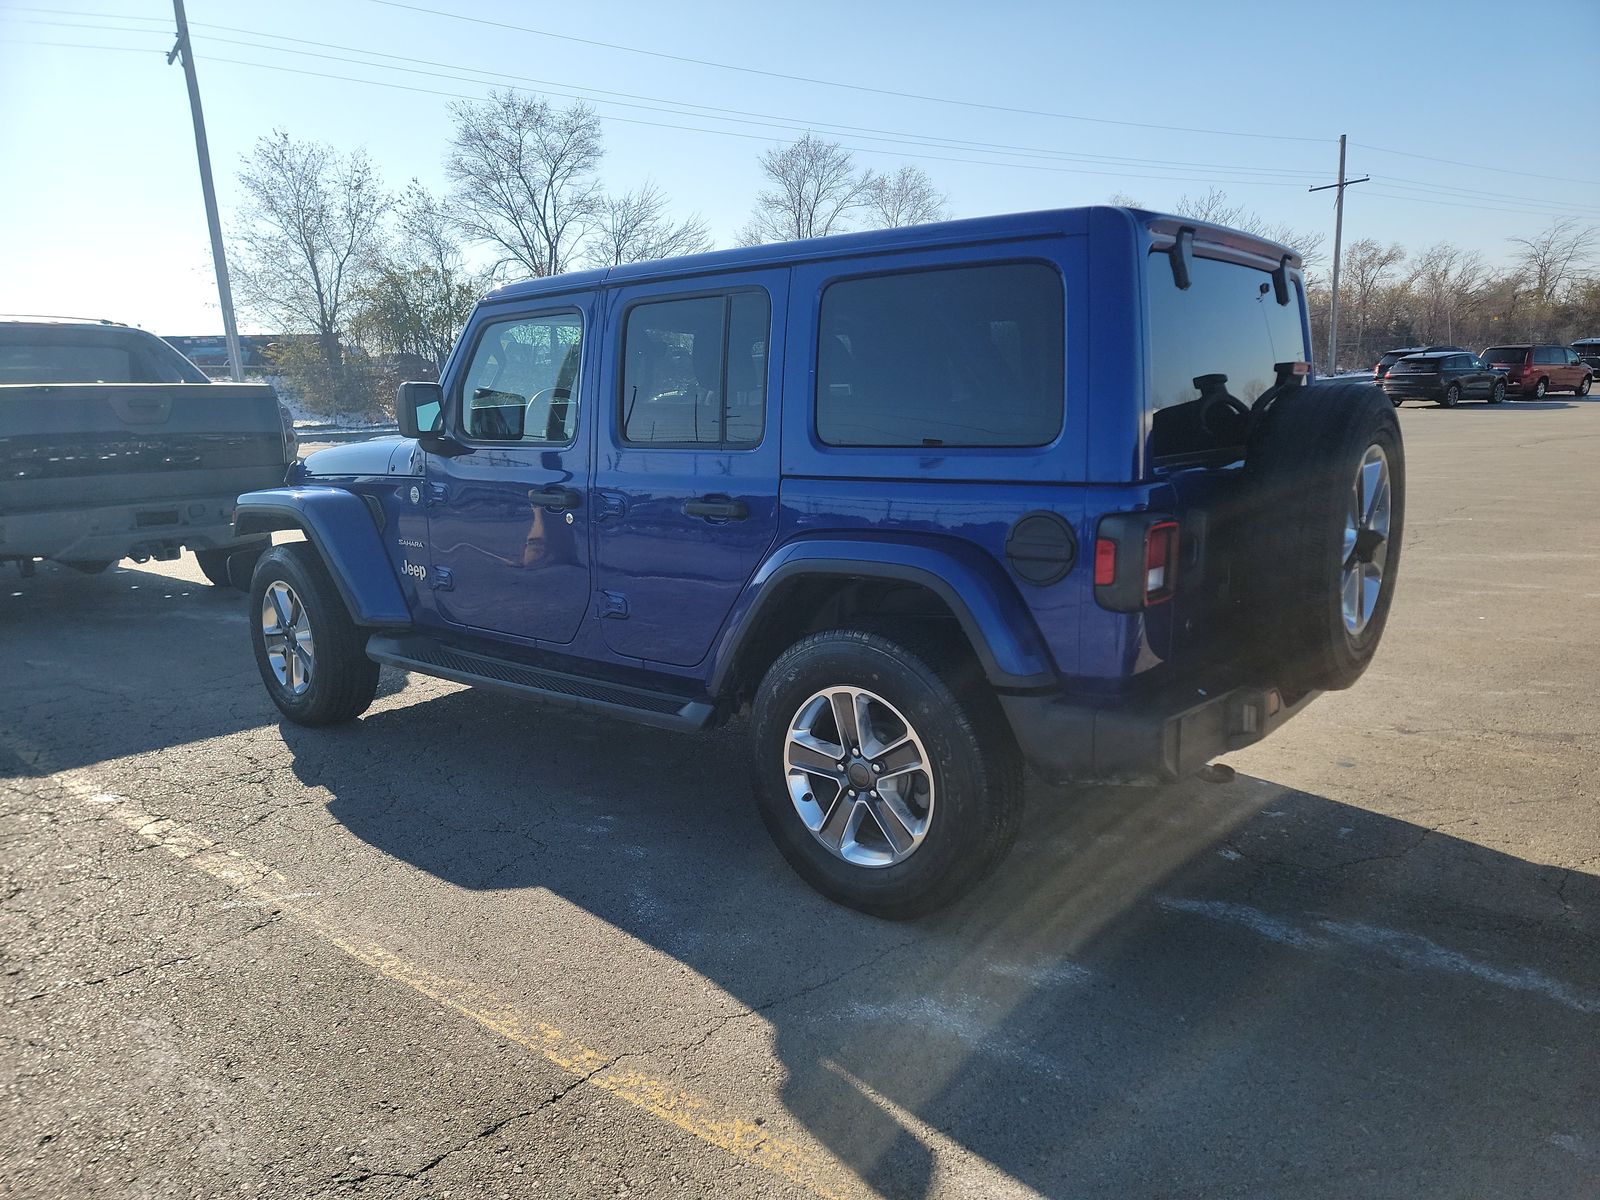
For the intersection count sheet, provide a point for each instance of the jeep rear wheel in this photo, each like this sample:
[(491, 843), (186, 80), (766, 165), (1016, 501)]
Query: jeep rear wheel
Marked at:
[(885, 774), (311, 655), (1330, 472)]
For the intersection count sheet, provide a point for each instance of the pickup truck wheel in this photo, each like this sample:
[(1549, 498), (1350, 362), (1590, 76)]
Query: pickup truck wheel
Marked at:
[(889, 783), (311, 655), (214, 564), (1329, 467)]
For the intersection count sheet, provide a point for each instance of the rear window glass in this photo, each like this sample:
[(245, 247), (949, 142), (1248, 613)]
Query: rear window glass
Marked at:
[(1411, 366), (73, 354), (1505, 354), (966, 356), (1227, 326)]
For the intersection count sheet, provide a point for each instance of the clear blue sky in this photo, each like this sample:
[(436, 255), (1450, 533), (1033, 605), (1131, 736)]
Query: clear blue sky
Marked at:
[(100, 209)]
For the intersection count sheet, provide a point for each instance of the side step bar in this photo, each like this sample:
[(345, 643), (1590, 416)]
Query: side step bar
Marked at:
[(424, 654)]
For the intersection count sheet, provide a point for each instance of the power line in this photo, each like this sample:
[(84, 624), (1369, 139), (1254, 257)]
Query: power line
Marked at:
[(701, 129), (834, 83), (1555, 210), (1458, 163), (659, 104)]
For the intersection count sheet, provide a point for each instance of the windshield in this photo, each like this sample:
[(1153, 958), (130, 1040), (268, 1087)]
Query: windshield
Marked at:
[(89, 354)]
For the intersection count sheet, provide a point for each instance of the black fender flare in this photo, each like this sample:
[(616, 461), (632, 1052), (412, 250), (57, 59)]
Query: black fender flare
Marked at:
[(338, 523)]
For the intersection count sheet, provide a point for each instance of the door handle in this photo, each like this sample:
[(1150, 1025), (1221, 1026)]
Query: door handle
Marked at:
[(553, 497), (717, 508)]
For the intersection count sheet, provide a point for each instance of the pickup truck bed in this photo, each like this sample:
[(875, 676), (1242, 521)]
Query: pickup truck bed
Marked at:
[(94, 472)]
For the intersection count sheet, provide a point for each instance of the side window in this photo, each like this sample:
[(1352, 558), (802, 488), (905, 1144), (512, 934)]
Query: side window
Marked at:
[(1544, 356), (694, 371), (1572, 358), (962, 356), (522, 385), (1461, 362)]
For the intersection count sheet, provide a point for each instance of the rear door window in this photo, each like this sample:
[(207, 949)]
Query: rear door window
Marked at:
[(960, 356), (1214, 343), (694, 371)]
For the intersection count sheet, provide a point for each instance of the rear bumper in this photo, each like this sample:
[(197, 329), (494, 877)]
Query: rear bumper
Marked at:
[(150, 529), (1413, 391), (1157, 739)]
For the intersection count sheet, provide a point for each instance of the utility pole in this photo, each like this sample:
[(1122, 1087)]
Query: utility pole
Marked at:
[(1338, 241), (183, 50)]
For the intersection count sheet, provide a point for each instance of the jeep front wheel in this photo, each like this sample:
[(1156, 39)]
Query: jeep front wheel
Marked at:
[(311, 655), (885, 775)]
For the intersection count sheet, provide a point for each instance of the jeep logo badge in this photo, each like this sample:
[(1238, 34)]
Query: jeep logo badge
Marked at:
[(415, 570)]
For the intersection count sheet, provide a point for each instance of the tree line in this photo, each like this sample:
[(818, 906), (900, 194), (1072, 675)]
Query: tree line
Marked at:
[(376, 285)]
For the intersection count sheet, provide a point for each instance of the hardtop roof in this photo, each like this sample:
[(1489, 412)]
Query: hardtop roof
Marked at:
[(970, 230)]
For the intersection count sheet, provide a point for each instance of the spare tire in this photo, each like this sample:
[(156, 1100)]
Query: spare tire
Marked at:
[(1326, 473)]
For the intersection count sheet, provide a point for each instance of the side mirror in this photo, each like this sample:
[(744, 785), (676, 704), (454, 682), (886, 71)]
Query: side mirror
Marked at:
[(419, 409)]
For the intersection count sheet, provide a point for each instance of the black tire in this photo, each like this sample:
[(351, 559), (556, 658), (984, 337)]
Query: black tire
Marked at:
[(1497, 393), (1583, 388), (975, 768), (1451, 397), (90, 566), (1540, 388), (343, 680), (1302, 465), (231, 566)]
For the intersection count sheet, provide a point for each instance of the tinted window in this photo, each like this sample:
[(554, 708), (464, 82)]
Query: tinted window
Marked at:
[(1546, 356), (968, 356), (74, 354), (694, 372), (1505, 354), (1227, 331), (1461, 362), (523, 382)]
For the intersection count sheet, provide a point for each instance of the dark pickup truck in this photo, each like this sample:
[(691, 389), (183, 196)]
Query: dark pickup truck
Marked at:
[(113, 445)]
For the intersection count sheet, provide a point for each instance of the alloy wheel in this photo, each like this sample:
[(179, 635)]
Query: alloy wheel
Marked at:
[(286, 633), (859, 776), (1366, 540)]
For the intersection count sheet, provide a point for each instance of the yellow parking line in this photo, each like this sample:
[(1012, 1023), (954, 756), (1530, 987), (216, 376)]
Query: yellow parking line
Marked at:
[(739, 1136)]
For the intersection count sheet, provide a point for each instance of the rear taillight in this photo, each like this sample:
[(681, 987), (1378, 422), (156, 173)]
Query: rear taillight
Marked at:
[(1135, 561), (1160, 561), (1105, 562)]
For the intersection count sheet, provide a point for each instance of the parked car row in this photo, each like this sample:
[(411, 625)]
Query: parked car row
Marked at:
[(1448, 375)]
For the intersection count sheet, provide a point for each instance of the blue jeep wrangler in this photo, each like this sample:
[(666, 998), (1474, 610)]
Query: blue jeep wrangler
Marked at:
[(926, 504)]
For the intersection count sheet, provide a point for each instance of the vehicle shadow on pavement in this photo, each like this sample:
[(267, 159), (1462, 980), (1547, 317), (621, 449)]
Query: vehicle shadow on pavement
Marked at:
[(1202, 989), (112, 637)]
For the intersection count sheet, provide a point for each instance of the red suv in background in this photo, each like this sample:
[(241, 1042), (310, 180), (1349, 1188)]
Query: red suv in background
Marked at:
[(1535, 370)]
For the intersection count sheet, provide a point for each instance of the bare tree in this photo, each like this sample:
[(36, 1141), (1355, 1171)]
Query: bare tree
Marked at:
[(421, 289), (308, 227), (906, 197), (815, 188), (635, 227), (1123, 200), (1367, 268), (1445, 283), (1551, 261), (525, 177), (1217, 208)]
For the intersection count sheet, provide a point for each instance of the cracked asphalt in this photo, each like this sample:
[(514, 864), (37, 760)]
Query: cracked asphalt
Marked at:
[(469, 947)]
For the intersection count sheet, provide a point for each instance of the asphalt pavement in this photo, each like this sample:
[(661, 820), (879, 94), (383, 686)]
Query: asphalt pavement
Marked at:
[(472, 947)]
